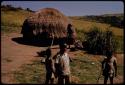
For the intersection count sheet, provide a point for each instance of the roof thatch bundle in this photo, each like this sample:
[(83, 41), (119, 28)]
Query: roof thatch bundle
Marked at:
[(46, 21)]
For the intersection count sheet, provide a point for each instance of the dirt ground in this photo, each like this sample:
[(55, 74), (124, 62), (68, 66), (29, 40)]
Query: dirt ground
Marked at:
[(13, 55)]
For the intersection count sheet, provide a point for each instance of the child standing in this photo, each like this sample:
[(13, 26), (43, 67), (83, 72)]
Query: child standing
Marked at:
[(109, 67), (50, 70)]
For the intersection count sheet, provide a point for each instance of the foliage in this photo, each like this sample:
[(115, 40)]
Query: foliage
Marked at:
[(98, 42), (80, 34)]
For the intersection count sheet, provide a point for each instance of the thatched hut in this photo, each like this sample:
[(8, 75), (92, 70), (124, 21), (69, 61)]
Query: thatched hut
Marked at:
[(45, 23)]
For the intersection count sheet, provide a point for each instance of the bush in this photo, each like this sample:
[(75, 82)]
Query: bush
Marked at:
[(98, 42)]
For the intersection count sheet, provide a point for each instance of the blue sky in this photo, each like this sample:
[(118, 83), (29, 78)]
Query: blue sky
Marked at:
[(73, 8)]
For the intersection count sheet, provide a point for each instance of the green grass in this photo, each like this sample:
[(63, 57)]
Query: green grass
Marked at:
[(12, 21), (86, 71), (33, 73), (10, 29), (86, 25)]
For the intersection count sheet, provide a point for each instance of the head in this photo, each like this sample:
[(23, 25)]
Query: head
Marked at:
[(109, 54), (45, 53), (69, 26), (48, 52), (63, 48)]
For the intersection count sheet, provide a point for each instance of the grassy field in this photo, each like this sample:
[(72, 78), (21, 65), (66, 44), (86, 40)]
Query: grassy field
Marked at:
[(84, 70), (12, 21), (86, 25)]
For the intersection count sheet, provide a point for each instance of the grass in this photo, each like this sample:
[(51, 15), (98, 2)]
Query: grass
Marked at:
[(15, 19), (86, 25), (120, 40), (31, 73), (10, 29), (87, 69), (82, 26), (84, 70), (11, 21)]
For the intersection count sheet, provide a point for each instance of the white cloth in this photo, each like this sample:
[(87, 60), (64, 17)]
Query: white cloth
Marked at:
[(64, 63)]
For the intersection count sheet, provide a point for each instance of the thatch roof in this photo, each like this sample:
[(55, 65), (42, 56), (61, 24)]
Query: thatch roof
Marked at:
[(48, 19)]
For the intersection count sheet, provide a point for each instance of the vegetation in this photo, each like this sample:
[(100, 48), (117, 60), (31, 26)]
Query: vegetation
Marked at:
[(33, 73), (12, 18), (98, 42), (112, 19), (87, 69)]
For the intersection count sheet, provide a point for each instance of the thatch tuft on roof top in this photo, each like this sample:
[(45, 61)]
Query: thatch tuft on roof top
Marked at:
[(46, 22)]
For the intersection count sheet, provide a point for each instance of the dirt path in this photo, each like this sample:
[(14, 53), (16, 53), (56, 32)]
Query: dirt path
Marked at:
[(14, 55)]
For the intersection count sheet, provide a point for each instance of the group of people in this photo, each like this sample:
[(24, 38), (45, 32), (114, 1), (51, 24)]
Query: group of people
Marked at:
[(58, 66)]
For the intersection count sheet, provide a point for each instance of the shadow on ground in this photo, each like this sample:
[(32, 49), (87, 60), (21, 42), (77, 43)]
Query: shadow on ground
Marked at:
[(38, 43)]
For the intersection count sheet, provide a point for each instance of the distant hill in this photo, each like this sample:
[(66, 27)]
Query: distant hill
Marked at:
[(116, 20), (117, 14)]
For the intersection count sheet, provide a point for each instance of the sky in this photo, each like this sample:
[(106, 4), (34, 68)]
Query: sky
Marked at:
[(73, 8)]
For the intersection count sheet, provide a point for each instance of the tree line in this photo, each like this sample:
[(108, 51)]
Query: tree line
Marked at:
[(12, 8), (117, 21)]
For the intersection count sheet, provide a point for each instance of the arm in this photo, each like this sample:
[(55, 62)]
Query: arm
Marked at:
[(103, 64), (70, 59), (115, 66), (53, 66)]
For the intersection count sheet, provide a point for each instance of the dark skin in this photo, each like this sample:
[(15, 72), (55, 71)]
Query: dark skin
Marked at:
[(106, 76), (69, 33), (49, 66)]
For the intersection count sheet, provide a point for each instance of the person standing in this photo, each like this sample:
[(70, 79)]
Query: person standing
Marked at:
[(70, 35), (109, 67), (50, 69), (62, 61)]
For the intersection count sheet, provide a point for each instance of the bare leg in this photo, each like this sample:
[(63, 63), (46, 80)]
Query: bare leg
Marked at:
[(69, 46), (105, 79), (60, 80), (67, 80), (111, 80), (47, 79), (52, 81)]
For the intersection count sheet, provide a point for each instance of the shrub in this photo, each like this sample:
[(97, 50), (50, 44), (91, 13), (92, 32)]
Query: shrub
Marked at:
[(98, 42)]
